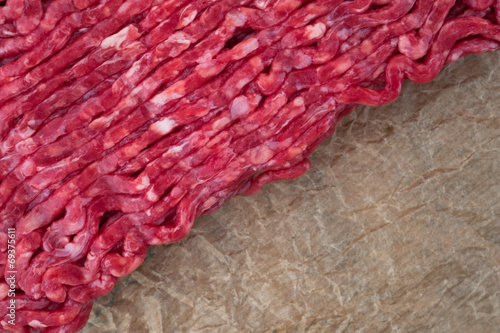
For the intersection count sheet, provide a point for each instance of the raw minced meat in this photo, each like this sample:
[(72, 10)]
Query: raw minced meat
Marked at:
[(121, 121)]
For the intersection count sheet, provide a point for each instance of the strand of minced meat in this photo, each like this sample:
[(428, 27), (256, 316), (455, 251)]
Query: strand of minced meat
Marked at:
[(122, 121)]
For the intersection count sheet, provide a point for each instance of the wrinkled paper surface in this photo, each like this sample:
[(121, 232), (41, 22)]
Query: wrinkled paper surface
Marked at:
[(396, 228)]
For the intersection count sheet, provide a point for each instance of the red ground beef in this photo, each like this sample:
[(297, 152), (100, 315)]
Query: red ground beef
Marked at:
[(121, 121)]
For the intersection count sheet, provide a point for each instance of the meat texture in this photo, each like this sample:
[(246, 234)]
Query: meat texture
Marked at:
[(121, 121)]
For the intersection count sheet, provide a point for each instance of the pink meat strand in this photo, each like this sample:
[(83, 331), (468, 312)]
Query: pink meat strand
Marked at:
[(121, 121)]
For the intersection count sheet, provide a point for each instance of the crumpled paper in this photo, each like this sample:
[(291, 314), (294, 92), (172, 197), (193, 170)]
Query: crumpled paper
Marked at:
[(395, 229)]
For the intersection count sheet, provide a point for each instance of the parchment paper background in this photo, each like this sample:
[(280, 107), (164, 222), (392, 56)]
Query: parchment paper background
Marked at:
[(395, 229)]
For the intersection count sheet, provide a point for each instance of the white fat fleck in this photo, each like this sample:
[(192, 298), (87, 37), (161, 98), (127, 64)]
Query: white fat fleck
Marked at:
[(165, 97), (219, 124), (177, 149), (144, 183), (295, 151), (148, 212), (303, 61), (4, 290), (404, 44), (36, 323), (315, 31), (179, 37), (455, 57), (248, 47), (24, 146), (9, 34), (208, 69), (28, 168), (152, 196), (299, 101), (261, 155), (343, 34), (237, 19), (26, 133), (115, 41), (281, 99), (209, 203), (163, 126), (108, 144), (309, 17), (330, 104), (174, 92), (205, 57), (321, 57), (100, 122), (343, 67), (5, 147), (189, 18), (367, 47), (133, 70), (240, 107), (279, 145), (261, 4), (70, 248), (256, 62)]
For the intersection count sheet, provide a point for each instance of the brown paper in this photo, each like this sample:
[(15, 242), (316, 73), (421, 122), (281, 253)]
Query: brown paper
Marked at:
[(395, 229)]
